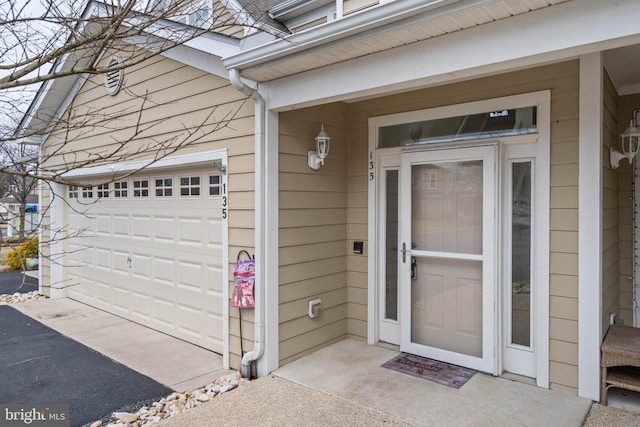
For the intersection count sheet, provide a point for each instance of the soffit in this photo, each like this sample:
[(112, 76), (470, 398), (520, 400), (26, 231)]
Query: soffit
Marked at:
[(412, 30)]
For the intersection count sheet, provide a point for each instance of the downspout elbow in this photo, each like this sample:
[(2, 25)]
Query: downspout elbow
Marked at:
[(238, 84)]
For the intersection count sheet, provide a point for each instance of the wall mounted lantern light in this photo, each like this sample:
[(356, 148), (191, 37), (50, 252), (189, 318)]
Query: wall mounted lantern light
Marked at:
[(629, 144), (315, 159)]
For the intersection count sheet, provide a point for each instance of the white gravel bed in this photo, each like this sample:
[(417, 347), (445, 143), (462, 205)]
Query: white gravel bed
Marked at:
[(606, 416), (17, 298)]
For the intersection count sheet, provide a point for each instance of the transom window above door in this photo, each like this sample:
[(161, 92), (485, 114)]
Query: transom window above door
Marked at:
[(492, 124)]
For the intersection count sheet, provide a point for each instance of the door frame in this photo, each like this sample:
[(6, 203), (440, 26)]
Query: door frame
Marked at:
[(541, 100)]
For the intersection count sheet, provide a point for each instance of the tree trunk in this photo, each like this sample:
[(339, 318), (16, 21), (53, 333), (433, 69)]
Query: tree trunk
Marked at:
[(22, 213)]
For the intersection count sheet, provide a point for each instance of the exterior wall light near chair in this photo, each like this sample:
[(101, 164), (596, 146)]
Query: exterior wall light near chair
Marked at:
[(629, 143), (315, 159)]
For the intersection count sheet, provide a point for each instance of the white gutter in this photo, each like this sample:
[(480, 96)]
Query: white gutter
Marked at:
[(260, 219), (338, 30)]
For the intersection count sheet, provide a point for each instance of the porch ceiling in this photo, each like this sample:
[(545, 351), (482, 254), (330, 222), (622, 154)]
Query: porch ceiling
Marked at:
[(622, 65), (408, 30)]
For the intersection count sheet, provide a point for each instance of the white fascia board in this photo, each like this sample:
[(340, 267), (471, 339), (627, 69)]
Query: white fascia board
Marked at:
[(564, 31), (167, 162), (215, 45), (198, 59), (31, 140), (338, 30)]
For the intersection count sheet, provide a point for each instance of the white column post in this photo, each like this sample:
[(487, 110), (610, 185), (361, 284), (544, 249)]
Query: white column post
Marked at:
[(56, 245), (590, 226)]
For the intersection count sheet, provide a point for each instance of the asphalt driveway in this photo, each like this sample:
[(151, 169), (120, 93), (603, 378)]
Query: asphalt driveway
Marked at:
[(12, 282), (40, 365)]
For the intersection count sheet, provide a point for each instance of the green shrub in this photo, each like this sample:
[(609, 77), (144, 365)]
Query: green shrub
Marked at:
[(17, 259)]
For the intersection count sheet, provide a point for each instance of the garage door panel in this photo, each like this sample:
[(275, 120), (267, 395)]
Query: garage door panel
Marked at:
[(120, 262), (140, 228), (103, 225), (103, 259), (190, 276), (87, 256), (164, 270), (156, 261), (164, 228), (102, 292), (121, 225), (191, 231), (164, 312), (141, 266)]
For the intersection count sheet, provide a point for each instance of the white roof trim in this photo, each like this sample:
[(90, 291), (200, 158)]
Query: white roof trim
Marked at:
[(561, 32), (340, 29), (167, 162)]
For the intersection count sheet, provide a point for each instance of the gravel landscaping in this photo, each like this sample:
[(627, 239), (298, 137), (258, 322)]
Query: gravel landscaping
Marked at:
[(606, 416)]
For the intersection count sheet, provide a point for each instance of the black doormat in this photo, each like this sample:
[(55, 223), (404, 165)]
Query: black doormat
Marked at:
[(429, 369)]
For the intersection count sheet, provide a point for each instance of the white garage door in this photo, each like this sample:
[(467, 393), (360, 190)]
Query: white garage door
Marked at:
[(151, 251)]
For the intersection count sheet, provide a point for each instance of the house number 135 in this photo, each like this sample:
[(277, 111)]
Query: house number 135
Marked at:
[(224, 201)]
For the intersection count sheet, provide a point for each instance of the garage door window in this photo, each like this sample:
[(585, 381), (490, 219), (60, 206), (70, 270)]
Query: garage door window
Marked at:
[(103, 190), (87, 192), (214, 185), (73, 191), (164, 187), (120, 189), (141, 188), (189, 186)]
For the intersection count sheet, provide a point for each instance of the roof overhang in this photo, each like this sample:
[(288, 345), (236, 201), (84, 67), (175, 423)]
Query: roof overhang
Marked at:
[(343, 31), (550, 34)]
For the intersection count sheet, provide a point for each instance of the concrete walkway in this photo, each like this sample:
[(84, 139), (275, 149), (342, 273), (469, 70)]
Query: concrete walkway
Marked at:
[(169, 361), (351, 370), (344, 384)]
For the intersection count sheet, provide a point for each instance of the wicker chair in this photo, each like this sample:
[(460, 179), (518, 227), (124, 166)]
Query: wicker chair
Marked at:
[(620, 361)]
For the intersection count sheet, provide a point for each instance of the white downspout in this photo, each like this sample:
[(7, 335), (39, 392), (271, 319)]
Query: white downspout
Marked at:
[(260, 209)]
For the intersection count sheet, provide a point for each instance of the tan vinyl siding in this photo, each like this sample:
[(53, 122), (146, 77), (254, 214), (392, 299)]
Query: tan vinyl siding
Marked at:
[(310, 24), (625, 107), (312, 232), (351, 6), (168, 101)]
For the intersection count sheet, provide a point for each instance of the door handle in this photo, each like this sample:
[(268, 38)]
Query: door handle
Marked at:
[(405, 251)]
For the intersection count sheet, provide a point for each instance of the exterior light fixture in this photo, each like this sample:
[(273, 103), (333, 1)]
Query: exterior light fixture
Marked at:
[(629, 143), (315, 159)]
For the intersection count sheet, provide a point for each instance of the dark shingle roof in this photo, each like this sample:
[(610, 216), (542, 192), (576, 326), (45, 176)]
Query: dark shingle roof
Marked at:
[(258, 9)]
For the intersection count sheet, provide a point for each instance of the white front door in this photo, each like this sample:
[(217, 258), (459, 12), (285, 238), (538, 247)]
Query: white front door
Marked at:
[(447, 251)]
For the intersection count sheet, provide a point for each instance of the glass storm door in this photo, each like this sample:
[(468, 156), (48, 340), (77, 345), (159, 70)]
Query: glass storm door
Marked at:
[(448, 255)]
